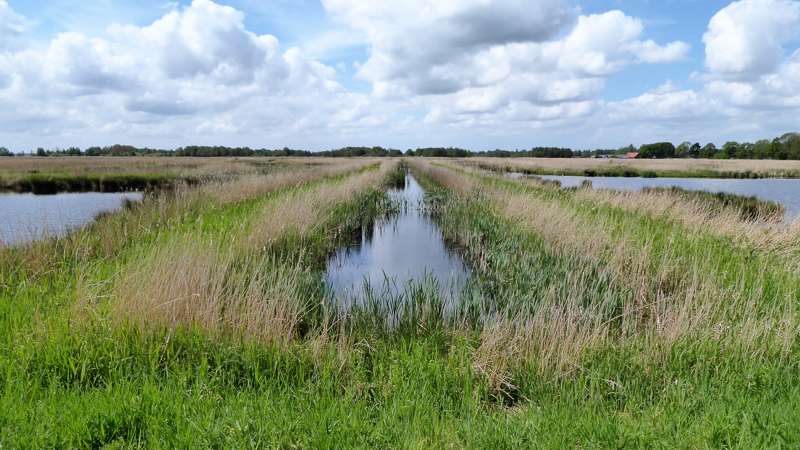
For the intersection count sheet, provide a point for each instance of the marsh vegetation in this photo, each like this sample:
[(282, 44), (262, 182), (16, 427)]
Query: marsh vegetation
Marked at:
[(591, 318)]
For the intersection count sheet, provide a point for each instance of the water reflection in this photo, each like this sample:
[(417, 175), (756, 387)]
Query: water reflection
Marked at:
[(780, 190), (400, 251), (25, 217)]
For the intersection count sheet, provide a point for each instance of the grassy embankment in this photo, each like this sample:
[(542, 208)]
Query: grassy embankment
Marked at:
[(648, 168), (592, 320), (106, 174)]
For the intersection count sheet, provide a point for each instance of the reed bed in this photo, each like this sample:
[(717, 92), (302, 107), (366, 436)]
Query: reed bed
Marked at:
[(627, 279), (692, 168), (592, 319), (113, 174), (239, 280), (190, 285)]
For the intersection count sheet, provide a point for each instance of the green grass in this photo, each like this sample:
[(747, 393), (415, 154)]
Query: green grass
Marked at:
[(415, 383)]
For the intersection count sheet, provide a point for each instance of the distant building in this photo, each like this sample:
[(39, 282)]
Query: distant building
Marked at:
[(632, 155)]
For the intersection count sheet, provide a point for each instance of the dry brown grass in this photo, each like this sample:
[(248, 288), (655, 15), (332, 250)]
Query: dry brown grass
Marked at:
[(672, 295), (120, 165), (188, 284), (763, 233), (301, 210), (294, 174), (233, 289), (682, 165), (181, 168)]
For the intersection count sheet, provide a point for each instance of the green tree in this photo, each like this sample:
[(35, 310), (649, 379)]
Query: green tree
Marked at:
[(793, 147), (708, 151), (682, 150), (694, 150), (657, 150)]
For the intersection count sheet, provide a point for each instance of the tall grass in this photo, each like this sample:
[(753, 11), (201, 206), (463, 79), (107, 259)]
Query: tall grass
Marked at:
[(617, 275), (192, 285), (199, 319), (678, 168)]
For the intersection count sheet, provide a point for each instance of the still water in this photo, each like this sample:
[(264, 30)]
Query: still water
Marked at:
[(780, 190), (25, 217), (401, 250)]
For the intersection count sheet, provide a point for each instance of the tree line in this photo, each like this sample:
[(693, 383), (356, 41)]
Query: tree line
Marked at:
[(786, 146)]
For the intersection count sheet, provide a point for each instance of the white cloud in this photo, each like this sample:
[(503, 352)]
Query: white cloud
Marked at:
[(416, 46), (194, 67), (12, 26), (463, 70), (745, 56), (601, 44), (746, 38), (532, 79)]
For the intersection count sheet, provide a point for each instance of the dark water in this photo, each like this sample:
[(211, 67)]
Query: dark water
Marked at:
[(403, 250), (780, 190), (25, 217)]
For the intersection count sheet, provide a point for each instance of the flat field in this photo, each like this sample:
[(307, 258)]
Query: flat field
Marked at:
[(593, 319)]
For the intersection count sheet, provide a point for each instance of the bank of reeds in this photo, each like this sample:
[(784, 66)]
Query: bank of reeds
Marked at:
[(106, 174), (190, 285), (609, 277), (647, 168), (251, 278)]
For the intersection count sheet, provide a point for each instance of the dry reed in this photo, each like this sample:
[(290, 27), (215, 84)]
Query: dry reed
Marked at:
[(187, 284), (764, 167)]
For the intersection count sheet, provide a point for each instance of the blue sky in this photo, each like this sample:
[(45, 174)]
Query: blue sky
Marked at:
[(321, 74)]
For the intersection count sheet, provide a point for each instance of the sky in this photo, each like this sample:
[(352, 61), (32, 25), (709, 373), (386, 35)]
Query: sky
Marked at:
[(322, 74)]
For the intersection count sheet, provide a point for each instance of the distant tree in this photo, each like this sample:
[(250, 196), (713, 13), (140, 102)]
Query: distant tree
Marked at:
[(745, 151), (5, 152), (657, 150), (694, 150), (728, 151), (793, 147), (708, 151), (41, 152), (682, 150)]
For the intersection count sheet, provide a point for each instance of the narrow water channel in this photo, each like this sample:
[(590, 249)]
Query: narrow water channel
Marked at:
[(401, 251)]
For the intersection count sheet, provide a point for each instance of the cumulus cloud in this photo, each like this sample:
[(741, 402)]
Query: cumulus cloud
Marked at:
[(746, 38), (533, 79), (745, 55), (750, 83), (470, 67), (194, 66), (417, 46), (601, 44)]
